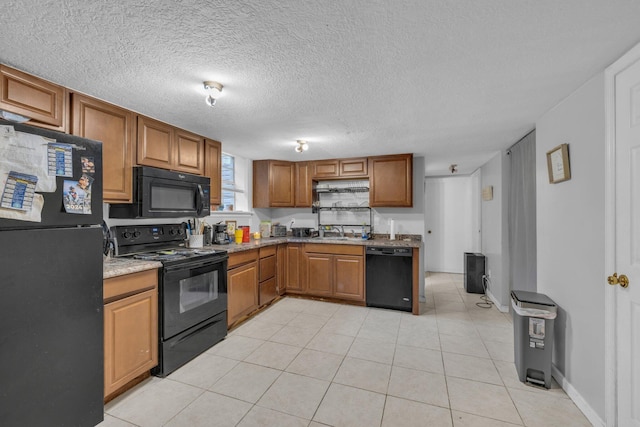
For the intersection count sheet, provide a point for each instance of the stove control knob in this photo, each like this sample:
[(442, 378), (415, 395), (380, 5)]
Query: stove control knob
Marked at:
[(173, 231), (126, 235), (136, 234)]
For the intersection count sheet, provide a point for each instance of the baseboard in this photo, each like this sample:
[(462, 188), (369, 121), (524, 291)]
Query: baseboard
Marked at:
[(500, 307), (582, 404)]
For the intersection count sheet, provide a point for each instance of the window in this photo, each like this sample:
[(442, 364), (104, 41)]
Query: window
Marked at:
[(228, 183)]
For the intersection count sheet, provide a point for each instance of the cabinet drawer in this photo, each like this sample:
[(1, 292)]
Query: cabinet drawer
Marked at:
[(240, 258), (267, 251), (268, 291), (129, 284), (267, 268)]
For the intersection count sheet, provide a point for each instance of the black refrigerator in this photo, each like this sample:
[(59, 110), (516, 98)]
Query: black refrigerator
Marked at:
[(51, 308)]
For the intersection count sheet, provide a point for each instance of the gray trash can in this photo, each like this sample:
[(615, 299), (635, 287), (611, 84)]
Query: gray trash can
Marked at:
[(533, 318)]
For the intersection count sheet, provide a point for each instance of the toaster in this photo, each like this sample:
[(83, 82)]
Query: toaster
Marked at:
[(279, 231)]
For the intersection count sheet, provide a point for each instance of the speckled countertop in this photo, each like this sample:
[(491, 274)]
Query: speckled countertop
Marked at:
[(406, 242), (113, 267)]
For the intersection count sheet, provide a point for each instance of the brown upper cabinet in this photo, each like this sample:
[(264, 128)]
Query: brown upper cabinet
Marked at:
[(273, 184), (115, 127), (303, 185), (391, 181), (280, 184), (213, 169), (164, 146), (340, 168), (43, 102)]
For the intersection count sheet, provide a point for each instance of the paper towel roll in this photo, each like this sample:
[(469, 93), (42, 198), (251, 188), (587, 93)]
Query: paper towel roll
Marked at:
[(392, 229)]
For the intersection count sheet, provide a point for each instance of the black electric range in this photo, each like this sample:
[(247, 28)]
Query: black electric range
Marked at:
[(192, 290)]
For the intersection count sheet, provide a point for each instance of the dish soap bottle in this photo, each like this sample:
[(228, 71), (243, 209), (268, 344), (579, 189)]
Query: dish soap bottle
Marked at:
[(364, 233)]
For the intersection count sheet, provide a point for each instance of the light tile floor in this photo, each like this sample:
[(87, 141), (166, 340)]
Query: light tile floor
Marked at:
[(311, 363)]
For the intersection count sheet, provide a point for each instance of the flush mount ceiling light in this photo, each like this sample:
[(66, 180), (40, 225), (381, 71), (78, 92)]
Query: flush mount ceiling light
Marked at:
[(302, 146), (214, 90)]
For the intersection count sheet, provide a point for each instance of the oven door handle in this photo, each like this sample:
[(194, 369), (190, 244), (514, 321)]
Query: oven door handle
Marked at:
[(196, 264), (208, 325)]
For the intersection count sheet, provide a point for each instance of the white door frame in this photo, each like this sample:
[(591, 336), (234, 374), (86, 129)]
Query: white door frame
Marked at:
[(611, 397)]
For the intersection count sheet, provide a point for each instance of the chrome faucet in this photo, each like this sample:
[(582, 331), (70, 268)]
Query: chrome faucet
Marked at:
[(340, 230)]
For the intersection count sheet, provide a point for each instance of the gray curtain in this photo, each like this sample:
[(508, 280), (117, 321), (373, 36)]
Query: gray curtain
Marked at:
[(522, 215)]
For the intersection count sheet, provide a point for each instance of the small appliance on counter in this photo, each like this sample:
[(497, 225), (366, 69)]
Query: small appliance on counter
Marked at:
[(220, 236), (302, 232), (279, 231)]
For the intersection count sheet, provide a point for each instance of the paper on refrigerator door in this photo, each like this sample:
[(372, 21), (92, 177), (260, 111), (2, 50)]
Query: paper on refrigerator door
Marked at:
[(25, 153)]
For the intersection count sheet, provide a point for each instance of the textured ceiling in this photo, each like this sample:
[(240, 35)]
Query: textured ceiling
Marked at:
[(453, 81)]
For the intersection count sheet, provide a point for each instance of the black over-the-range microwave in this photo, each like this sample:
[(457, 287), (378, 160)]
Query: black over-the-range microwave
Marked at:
[(159, 193)]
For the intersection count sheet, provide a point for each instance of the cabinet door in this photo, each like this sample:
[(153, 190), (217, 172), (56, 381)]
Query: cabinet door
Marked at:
[(43, 102), (154, 143), (281, 273), (349, 277), (356, 168), (281, 184), (326, 169), (303, 185), (319, 274), (268, 291), (213, 169), (294, 268), (130, 338), (391, 181), (242, 291), (115, 127), (188, 152)]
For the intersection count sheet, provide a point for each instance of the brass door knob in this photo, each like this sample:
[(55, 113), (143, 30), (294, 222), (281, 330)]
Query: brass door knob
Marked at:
[(615, 280), (624, 281)]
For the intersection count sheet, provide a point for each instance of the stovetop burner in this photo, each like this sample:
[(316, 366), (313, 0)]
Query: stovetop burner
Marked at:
[(174, 254), (164, 243)]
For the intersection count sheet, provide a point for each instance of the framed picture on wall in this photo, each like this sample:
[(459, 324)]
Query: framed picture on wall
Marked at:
[(558, 164), (231, 226)]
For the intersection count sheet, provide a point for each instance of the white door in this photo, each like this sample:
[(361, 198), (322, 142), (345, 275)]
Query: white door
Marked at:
[(627, 237), (449, 221)]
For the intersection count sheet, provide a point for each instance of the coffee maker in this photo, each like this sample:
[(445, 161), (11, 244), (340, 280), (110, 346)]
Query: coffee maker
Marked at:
[(220, 236)]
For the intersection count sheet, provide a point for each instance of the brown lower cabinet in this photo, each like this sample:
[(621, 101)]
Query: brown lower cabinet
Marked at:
[(130, 328), (242, 284), (335, 271), (294, 279), (268, 286)]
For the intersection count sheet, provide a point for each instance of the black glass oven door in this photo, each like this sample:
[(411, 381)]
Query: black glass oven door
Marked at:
[(192, 293)]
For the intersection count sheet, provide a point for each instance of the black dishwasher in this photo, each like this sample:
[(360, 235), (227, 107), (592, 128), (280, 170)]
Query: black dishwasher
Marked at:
[(389, 278)]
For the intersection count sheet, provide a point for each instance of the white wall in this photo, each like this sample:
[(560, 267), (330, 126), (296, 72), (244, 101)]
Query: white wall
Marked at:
[(495, 238), (449, 215), (571, 238)]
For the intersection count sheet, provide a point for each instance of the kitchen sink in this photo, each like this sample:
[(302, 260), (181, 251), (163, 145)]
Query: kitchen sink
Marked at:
[(352, 239)]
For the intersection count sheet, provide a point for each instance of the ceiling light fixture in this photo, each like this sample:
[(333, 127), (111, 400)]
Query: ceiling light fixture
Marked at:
[(302, 146), (214, 90), (453, 168)]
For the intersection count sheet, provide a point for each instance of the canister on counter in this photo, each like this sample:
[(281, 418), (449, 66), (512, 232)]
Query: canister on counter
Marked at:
[(246, 236)]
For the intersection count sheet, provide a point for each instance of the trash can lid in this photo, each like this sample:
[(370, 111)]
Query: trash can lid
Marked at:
[(526, 299)]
